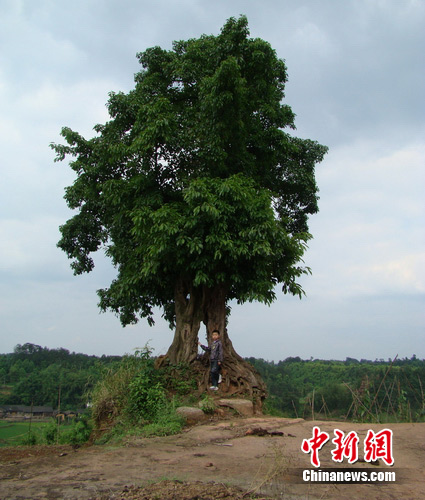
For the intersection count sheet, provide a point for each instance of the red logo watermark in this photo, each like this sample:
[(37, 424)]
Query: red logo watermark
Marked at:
[(376, 445)]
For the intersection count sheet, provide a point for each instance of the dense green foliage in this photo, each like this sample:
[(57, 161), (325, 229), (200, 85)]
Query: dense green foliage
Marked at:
[(35, 432), (134, 397), (40, 376), (194, 179), (360, 390)]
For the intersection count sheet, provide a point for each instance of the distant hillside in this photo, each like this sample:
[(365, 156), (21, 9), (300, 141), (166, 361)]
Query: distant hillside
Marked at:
[(38, 375), (361, 390)]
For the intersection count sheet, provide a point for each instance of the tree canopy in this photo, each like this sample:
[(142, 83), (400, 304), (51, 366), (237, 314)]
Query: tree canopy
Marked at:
[(194, 181)]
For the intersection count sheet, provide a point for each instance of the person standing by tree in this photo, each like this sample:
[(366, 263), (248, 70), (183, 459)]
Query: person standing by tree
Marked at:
[(216, 358), (196, 191)]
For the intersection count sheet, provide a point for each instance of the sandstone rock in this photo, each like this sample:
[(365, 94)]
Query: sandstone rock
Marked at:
[(192, 415), (242, 406)]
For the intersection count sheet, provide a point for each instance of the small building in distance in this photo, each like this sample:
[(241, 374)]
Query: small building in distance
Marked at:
[(22, 412)]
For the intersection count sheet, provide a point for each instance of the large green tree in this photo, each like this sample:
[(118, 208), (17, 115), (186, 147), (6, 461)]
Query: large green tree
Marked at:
[(195, 190)]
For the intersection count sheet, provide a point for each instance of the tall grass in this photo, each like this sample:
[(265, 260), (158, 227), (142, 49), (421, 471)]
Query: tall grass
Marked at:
[(132, 397)]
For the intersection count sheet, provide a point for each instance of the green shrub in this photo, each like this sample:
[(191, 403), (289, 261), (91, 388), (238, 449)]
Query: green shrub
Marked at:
[(270, 408), (133, 398), (50, 432), (29, 439), (179, 379), (166, 423), (335, 396), (207, 404), (146, 398), (110, 395), (77, 432)]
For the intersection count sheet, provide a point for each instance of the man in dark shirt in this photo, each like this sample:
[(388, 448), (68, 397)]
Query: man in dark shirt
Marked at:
[(216, 358)]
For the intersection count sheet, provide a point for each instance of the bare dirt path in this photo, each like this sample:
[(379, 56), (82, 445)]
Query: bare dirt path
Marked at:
[(216, 452)]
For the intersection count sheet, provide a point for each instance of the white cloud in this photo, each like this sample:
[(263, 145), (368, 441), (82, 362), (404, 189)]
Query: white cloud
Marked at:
[(368, 235), (405, 275), (31, 182), (29, 247), (355, 82), (80, 104)]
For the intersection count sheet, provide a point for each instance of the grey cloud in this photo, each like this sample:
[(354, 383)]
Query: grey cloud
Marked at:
[(355, 82)]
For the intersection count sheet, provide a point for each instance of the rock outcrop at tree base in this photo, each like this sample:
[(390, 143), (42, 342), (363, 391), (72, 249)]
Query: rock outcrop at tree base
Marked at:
[(192, 415), (208, 306), (243, 406), (239, 378)]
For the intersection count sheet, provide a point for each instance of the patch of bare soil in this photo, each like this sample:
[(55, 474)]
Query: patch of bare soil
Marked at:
[(183, 490), (257, 457)]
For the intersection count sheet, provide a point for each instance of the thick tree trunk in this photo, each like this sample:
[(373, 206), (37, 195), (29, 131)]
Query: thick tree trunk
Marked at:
[(239, 376), (208, 305), (189, 315)]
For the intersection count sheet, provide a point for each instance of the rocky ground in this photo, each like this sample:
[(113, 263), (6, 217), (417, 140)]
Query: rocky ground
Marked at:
[(256, 457)]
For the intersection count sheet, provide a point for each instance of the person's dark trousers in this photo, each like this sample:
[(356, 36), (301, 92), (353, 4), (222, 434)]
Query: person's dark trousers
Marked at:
[(215, 373)]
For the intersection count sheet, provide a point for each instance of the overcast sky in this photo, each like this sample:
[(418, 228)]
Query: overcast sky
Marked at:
[(356, 83)]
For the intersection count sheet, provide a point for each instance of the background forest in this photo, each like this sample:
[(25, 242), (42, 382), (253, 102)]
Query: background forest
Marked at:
[(362, 390)]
